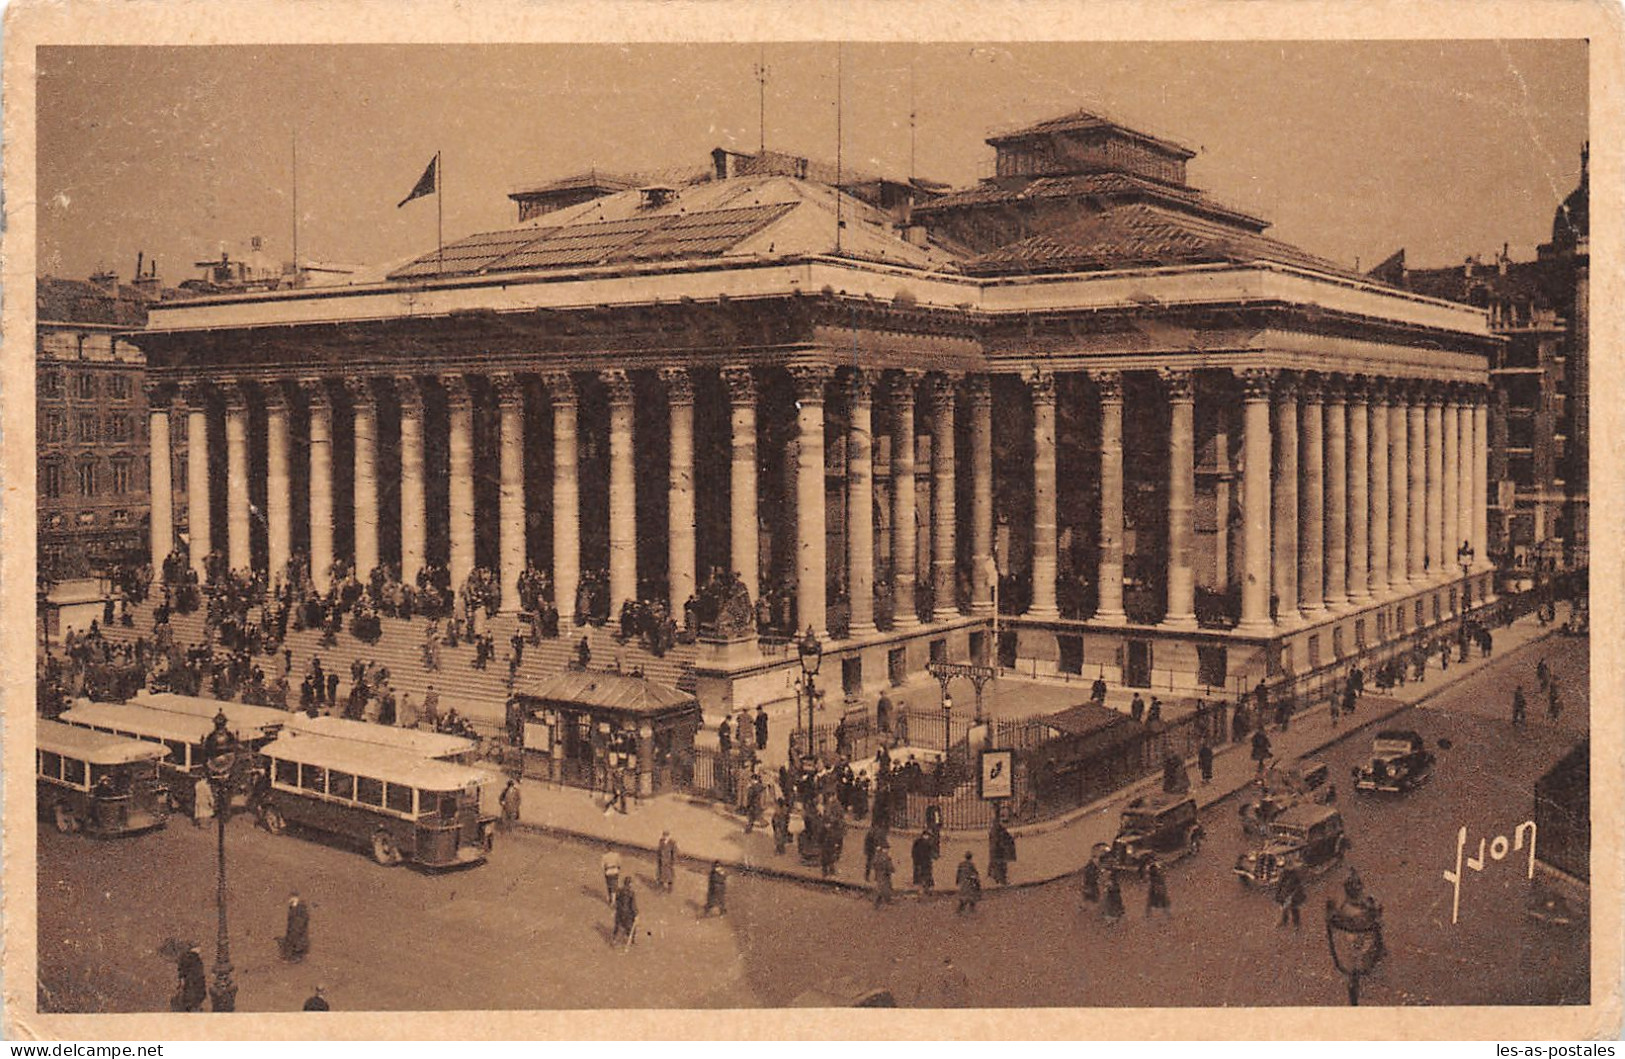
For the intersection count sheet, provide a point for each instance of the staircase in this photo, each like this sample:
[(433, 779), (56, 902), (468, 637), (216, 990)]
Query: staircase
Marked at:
[(478, 694)]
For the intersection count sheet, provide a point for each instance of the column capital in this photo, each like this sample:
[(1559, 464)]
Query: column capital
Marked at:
[(860, 385), (314, 390), (617, 384), (409, 394), (1178, 383), (679, 385), (196, 395), (359, 387), (1108, 384), (979, 389), (1257, 383), (943, 388), (158, 394), (1335, 389), (903, 382), (1434, 394), (1310, 385), (741, 383), (810, 380), (1357, 389), (1041, 383), (561, 387), (459, 391), (234, 392), (509, 387), (274, 396)]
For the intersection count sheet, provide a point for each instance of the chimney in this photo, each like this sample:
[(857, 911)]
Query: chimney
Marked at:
[(140, 259), (1501, 262), (719, 163), (1467, 267), (106, 280), (915, 234)]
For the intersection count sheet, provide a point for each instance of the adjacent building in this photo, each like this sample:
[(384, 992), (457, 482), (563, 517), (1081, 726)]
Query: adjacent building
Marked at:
[(1171, 450)]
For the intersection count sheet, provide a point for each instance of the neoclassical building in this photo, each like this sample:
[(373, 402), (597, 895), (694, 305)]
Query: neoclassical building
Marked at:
[(1162, 446)]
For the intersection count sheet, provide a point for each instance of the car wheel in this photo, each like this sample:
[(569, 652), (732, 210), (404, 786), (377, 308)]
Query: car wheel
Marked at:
[(67, 821), (273, 820), (384, 850)]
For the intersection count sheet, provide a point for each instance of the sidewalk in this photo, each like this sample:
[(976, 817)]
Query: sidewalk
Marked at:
[(1047, 850)]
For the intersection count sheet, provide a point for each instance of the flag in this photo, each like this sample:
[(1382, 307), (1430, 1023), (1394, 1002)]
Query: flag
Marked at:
[(427, 184)]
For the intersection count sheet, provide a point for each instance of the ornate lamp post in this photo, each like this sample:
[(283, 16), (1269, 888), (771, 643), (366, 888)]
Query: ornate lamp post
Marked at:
[(811, 653), (220, 752), (1354, 935)]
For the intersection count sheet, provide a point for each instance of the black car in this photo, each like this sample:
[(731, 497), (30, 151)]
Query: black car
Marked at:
[(1400, 762), (1308, 838), (1162, 828)]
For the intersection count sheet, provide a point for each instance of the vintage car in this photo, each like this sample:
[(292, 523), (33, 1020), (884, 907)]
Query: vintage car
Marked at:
[(1158, 827), (1399, 762), (1306, 837), (1284, 787)]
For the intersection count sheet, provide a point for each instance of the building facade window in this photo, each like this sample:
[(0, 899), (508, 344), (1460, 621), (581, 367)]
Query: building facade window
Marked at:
[(118, 387), (118, 427), (85, 424), (84, 386), (87, 479), (50, 480), (50, 384), (119, 479), (53, 427)]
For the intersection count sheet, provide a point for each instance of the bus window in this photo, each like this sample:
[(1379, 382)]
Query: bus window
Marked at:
[(73, 771), (341, 784), (177, 752), (313, 778), (398, 798), (369, 791), (287, 773), (50, 765)]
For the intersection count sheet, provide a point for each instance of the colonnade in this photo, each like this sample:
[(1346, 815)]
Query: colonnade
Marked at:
[(1354, 488)]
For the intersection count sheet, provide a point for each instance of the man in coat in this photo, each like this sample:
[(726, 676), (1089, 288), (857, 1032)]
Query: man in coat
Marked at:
[(716, 890), (296, 940), (318, 1001), (761, 729), (510, 804), (1001, 848), (626, 914), (924, 855), (191, 987), (666, 862), (969, 882), (883, 870)]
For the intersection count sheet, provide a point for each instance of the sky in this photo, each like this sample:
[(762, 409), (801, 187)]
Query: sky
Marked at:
[(1351, 149)]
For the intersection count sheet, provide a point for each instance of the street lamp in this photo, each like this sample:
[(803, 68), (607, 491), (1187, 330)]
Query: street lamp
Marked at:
[(220, 752), (811, 653), (1354, 935)]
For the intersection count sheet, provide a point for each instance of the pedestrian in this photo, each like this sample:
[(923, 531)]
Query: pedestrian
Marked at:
[(1097, 692), (883, 712), (1554, 705), (716, 890), (626, 914), (924, 855), (318, 1000), (510, 804), (666, 862), (781, 825), (1261, 751), (1204, 762), (190, 985), (1001, 850), (611, 863), (753, 803), (828, 850), (1091, 881), (202, 801), (1542, 673), (1290, 895), (969, 882), (296, 940), (1156, 891), (1136, 707), (1520, 708), (883, 869), (871, 844), (1112, 906), (761, 729), (725, 739)]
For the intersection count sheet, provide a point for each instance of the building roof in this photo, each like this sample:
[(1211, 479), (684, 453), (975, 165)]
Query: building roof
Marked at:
[(1140, 235), (602, 690), (1112, 185), (752, 217), (96, 748), (1084, 121), (80, 302), (375, 762)]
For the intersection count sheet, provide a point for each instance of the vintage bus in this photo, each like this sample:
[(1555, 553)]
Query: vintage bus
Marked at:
[(103, 785), (252, 725), (400, 806), (410, 741), (180, 735)]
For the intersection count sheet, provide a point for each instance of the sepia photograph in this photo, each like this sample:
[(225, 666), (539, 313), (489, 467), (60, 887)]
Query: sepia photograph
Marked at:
[(728, 524)]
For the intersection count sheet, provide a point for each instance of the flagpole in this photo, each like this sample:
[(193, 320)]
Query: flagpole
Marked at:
[(440, 213), (296, 207)]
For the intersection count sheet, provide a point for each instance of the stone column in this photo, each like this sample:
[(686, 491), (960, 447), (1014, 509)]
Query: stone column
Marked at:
[(1312, 503), (1284, 498), (1399, 493), (320, 403), (1109, 385), (561, 391), (1181, 390), (197, 479), (460, 446), (1481, 479), (278, 484), (160, 484), (1042, 385), (1255, 583), (414, 507), (623, 507), (980, 393), (744, 544), (812, 567), (904, 530), (680, 562), (1416, 549), (1464, 468), (1337, 498), (238, 557), (1359, 493), (511, 500), (1437, 568), (1378, 463), (1450, 539), (860, 500), (944, 549), (366, 476)]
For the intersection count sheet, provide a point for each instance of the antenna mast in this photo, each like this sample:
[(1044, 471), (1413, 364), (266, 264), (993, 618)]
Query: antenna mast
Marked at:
[(296, 269), (761, 101), (839, 56), (912, 115)]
